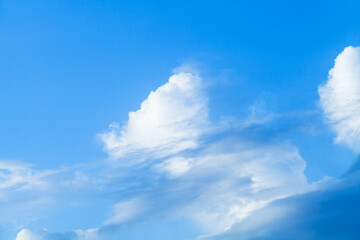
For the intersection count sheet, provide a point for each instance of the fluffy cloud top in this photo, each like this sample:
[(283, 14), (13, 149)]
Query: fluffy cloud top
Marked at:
[(218, 181), (340, 97), (169, 120), (26, 234)]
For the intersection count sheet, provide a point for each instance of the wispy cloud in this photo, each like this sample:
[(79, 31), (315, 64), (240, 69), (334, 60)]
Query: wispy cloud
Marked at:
[(17, 175), (124, 211)]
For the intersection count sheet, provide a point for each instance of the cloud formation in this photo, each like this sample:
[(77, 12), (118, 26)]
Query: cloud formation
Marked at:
[(215, 175), (20, 176), (26, 234), (330, 213), (178, 164), (235, 177), (340, 97), (169, 120), (124, 211)]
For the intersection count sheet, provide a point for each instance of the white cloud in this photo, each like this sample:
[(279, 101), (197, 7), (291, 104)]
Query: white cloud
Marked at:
[(169, 120), (175, 166), (19, 175), (234, 178), (27, 194), (26, 234), (89, 234), (304, 216), (340, 97), (217, 182), (124, 211), (221, 184)]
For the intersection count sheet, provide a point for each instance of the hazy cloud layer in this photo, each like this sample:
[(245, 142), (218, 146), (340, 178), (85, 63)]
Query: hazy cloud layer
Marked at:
[(26, 234), (330, 213)]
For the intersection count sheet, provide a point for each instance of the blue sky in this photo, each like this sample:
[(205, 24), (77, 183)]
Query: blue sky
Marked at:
[(177, 119)]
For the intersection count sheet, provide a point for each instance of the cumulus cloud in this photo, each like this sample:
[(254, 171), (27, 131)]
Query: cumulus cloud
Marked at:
[(169, 120), (26, 234), (223, 176), (340, 97), (214, 175)]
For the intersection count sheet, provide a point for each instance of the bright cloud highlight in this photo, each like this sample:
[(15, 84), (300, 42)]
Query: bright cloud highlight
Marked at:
[(219, 174), (340, 97), (169, 120)]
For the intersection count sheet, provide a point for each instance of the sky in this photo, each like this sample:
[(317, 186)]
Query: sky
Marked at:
[(181, 120)]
